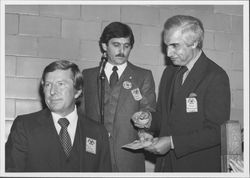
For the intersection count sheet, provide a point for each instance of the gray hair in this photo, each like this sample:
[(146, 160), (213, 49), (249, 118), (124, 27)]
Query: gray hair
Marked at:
[(191, 28)]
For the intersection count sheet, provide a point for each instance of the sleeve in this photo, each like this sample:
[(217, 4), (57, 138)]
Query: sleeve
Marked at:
[(148, 101), (216, 112), (105, 157), (156, 116), (16, 147)]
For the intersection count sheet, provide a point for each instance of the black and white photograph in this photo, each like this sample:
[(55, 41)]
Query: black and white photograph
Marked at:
[(124, 88)]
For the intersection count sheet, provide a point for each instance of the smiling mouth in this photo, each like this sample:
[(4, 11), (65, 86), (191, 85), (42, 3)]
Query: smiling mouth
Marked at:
[(173, 59), (55, 100)]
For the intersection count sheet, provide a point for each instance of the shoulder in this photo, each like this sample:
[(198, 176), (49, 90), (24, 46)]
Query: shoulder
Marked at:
[(31, 120), (34, 115), (91, 125), (139, 70), (215, 69), (89, 75), (90, 70)]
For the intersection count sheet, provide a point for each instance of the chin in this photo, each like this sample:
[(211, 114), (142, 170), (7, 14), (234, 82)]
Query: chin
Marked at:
[(55, 108), (175, 63), (120, 60)]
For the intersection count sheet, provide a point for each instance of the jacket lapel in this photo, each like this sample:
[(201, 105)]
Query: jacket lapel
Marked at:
[(192, 81), (170, 88), (50, 138), (128, 76), (47, 123), (196, 75)]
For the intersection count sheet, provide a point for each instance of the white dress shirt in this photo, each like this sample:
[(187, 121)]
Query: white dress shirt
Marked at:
[(72, 118), (190, 66), (108, 69)]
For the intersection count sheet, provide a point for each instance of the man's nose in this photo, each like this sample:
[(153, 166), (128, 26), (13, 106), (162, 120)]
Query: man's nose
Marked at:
[(122, 49), (53, 89), (170, 51)]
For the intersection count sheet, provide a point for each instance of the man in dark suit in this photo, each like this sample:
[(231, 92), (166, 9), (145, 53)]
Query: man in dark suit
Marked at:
[(128, 89), (194, 100), (58, 138)]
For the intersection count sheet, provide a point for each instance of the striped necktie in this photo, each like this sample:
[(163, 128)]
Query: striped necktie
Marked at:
[(64, 136)]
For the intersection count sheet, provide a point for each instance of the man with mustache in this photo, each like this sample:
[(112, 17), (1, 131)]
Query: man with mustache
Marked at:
[(58, 138), (193, 101), (128, 89)]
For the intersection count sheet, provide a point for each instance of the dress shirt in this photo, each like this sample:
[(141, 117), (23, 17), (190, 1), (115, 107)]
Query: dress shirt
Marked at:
[(108, 69), (190, 66), (72, 118)]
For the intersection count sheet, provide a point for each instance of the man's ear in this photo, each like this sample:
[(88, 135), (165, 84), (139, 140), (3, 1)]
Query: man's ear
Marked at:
[(104, 46), (78, 93), (195, 44)]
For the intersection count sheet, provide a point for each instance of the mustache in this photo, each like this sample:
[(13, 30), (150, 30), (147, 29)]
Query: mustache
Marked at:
[(120, 55)]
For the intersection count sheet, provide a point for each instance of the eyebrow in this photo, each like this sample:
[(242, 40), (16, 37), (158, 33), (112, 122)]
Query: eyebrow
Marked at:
[(60, 80), (120, 42), (173, 44)]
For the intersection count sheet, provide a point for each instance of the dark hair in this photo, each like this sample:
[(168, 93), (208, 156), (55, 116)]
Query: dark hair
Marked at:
[(190, 26), (116, 30), (65, 65)]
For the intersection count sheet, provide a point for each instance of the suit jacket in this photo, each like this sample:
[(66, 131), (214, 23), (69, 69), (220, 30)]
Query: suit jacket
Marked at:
[(120, 104), (34, 146), (196, 135)]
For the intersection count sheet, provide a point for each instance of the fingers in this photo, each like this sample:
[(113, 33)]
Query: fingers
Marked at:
[(152, 148), (145, 136)]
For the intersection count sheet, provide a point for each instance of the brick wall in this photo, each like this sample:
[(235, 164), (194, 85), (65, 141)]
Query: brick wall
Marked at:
[(39, 34)]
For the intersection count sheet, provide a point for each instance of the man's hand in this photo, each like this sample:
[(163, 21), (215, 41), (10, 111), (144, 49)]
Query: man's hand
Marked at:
[(160, 145), (142, 119), (145, 136)]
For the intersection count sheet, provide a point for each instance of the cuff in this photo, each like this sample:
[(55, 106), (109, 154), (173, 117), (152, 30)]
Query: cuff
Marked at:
[(172, 143)]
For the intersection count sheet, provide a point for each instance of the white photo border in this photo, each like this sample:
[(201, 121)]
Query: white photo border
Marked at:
[(245, 4)]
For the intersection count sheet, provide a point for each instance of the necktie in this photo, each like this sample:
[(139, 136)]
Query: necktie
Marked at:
[(179, 77), (64, 136), (113, 77)]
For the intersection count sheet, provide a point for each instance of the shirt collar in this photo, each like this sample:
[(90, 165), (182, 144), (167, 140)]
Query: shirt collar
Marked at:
[(72, 117), (193, 61), (121, 68)]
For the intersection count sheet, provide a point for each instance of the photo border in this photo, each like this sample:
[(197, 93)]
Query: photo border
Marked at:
[(245, 4)]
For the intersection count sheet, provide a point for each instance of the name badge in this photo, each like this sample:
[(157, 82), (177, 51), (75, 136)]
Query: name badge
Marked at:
[(91, 145), (191, 105), (136, 94), (127, 85)]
